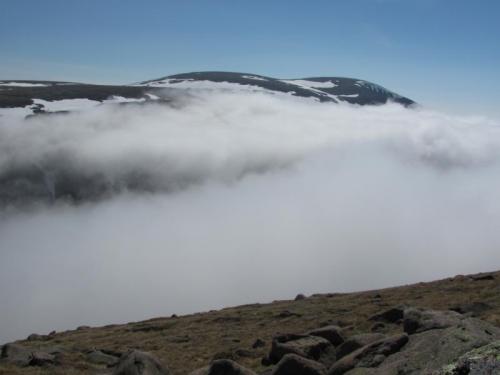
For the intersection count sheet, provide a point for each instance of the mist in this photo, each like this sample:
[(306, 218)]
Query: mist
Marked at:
[(225, 199)]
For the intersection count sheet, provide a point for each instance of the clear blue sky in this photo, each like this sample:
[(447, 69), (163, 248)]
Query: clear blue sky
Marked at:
[(444, 53)]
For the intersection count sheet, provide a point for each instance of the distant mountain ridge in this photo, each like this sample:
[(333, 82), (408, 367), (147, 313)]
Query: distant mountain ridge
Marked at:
[(40, 96), (325, 89)]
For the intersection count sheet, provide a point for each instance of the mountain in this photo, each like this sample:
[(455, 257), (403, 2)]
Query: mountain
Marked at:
[(324, 89), (24, 98), (445, 327)]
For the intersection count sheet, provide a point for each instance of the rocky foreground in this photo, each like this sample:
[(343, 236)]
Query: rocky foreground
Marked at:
[(446, 327)]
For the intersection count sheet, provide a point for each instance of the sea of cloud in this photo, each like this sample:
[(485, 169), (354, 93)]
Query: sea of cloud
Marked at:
[(228, 198)]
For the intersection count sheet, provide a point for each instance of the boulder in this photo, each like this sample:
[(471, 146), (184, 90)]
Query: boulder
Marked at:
[(37, 337), (299, 297), (331, 333), (431, 351), (292, 364), (370, 355), (140, 363), (357, 341), (223, 367), (483, 360), (472, 309), (418, 320), (311, 347), (39, 358), (16, 354), (392, 315), (483, 277)]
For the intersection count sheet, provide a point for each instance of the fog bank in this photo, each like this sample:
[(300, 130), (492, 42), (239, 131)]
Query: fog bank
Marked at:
[(248, 198)]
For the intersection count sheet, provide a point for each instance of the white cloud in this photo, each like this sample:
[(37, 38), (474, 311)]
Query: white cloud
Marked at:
[(255, 198)]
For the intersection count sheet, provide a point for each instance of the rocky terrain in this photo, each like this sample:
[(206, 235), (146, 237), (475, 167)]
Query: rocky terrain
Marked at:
[(445, 327)]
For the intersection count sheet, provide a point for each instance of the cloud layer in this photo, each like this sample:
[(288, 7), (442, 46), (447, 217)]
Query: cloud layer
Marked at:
[(237, 198)]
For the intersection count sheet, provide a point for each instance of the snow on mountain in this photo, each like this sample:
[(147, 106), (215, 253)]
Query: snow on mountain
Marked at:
[(24, 98)]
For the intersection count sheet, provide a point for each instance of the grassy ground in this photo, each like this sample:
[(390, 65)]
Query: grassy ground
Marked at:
[(188, 342)]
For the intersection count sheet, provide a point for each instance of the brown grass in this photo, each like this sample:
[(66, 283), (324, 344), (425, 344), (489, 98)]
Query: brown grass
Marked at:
[(189, 342)]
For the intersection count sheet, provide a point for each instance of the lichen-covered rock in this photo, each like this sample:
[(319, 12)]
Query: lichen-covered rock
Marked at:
[(472, 309), (311, 347), (371, 355), (483, 360), (356, 342), (429, 351), (292, 364), (140, 363), (418, 320), (392, 315), (39, 358), (331, 333)]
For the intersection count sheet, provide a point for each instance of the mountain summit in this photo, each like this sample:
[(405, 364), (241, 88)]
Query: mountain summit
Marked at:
[(34, 97)]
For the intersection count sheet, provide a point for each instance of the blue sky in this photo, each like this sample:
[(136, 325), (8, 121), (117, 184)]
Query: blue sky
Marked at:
[(442, 53)]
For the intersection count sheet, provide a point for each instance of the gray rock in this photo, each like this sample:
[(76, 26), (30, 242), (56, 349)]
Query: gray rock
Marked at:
[(300, 297), (140, 363), (472, 309), (311, 347), (483, 277), (389, 316), (16, 354), (292, 364), (37, 337), (39, 358), (418, 320), (356, 342), (371, 355), (429, 351), (483, 360), (223, 367), (331, 333)]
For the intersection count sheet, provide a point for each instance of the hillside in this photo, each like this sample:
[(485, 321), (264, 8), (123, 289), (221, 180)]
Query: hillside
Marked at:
[(25, 98), (244, 333)]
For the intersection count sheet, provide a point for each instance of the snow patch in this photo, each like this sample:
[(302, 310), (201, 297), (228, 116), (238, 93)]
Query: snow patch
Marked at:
[(23, 84), (313, 84), (299, 82), (152, 96), (120, 99), (255, 77)]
